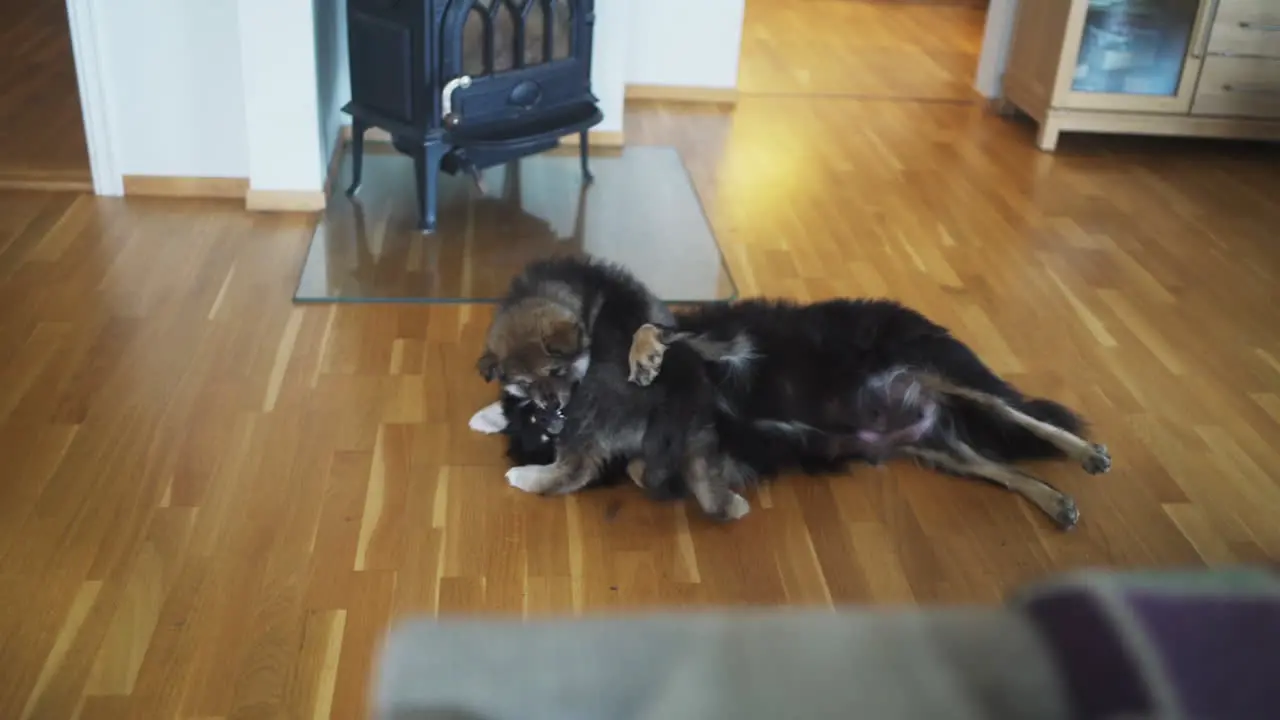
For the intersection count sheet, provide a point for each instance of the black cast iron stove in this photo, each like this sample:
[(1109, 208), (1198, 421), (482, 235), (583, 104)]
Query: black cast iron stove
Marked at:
[(462, 85)]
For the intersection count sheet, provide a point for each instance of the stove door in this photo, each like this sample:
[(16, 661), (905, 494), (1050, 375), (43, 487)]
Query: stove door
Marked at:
[(508, 60)]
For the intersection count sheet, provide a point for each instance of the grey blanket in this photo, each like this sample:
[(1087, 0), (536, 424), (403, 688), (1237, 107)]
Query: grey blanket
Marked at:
[(1094, 645)]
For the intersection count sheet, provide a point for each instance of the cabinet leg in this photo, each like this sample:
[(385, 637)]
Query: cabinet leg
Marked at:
[(1047, 138)]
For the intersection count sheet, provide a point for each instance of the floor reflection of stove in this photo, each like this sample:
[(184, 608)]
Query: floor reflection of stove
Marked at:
[(641, 212)]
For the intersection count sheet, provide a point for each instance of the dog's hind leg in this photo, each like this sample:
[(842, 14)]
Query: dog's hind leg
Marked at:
[(1094, 458), (963, 460), (712, 490)]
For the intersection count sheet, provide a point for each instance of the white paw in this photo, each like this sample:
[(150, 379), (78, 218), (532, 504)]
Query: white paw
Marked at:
[(489, 420), (528, 478), (738, 507)]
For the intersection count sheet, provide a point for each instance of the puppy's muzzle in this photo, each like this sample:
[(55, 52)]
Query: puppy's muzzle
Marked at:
[(551, 397), (547, 403), (554, 421)]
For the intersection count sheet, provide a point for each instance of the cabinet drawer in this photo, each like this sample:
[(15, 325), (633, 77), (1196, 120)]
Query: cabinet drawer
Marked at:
[(1238, 87), (1246, 27)]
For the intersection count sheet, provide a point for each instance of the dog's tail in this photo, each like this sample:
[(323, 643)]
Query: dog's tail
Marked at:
[(1001, 438)]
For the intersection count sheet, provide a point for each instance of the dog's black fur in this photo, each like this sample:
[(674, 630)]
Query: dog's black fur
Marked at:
[(811, 361), (529, 432), (793, 401)]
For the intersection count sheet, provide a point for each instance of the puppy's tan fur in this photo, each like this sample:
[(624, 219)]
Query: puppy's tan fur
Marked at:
[(532, 345)]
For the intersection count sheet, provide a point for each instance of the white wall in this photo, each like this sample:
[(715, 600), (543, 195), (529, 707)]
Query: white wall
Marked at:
[(281, 110), (178, 97), (213, 89), (694, 43), (333, 81), (609, 60)]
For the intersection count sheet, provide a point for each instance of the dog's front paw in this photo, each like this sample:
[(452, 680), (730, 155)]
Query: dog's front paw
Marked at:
[(529, 478), (1097, 461), (645, 370), (489, 420), (645, 360)]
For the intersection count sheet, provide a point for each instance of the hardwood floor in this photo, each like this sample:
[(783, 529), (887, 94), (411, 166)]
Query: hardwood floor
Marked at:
[(43, 137), (924, 49), (214, 501)]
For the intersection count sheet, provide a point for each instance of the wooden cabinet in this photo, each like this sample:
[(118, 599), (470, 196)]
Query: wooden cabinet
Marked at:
[(1147, 67)]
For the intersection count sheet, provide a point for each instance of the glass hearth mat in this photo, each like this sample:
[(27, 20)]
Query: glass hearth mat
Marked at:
[(641, 212)]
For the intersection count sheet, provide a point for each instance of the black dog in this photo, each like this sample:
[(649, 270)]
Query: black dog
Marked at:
[(873, 379)]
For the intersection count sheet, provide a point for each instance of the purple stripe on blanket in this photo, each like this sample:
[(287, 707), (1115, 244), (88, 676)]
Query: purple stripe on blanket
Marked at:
[(1156, 653), (1221, 654), (1102, 677)]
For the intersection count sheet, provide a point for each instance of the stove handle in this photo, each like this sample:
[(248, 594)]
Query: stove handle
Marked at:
[(461, 82)]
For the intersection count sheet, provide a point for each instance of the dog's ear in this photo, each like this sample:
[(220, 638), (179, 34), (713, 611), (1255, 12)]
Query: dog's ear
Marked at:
[(562, 338), (487, 366)]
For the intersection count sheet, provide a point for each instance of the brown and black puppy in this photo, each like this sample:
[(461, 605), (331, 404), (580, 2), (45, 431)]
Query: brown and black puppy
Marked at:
[(539, 347), (561, 338)]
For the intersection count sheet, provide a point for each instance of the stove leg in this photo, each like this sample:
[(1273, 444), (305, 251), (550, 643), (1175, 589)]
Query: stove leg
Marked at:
[(584, 152), (426, 165), (358, 128)]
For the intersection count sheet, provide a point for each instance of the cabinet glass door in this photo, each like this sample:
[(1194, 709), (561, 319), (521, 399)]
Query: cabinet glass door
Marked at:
[(1136, 53)]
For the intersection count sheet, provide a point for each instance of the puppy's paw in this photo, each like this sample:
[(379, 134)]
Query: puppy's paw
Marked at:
[(645, 360), (489, 419), (529, 478), (1066, 514), (1097, 460), (738, 507)]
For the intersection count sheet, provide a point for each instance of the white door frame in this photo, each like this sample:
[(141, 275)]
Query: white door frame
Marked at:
[(1001, 15), (84, 17)]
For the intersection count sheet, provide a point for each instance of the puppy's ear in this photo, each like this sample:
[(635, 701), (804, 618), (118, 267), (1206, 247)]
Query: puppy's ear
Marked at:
[(487, 366), (562, 338)]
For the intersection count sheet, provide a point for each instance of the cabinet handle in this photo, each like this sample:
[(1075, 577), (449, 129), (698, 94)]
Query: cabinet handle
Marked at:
[(1246, 25), (1201, 44), (1252, 89)]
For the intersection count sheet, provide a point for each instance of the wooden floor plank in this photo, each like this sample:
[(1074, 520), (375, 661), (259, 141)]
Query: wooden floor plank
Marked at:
[(43, 143)]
